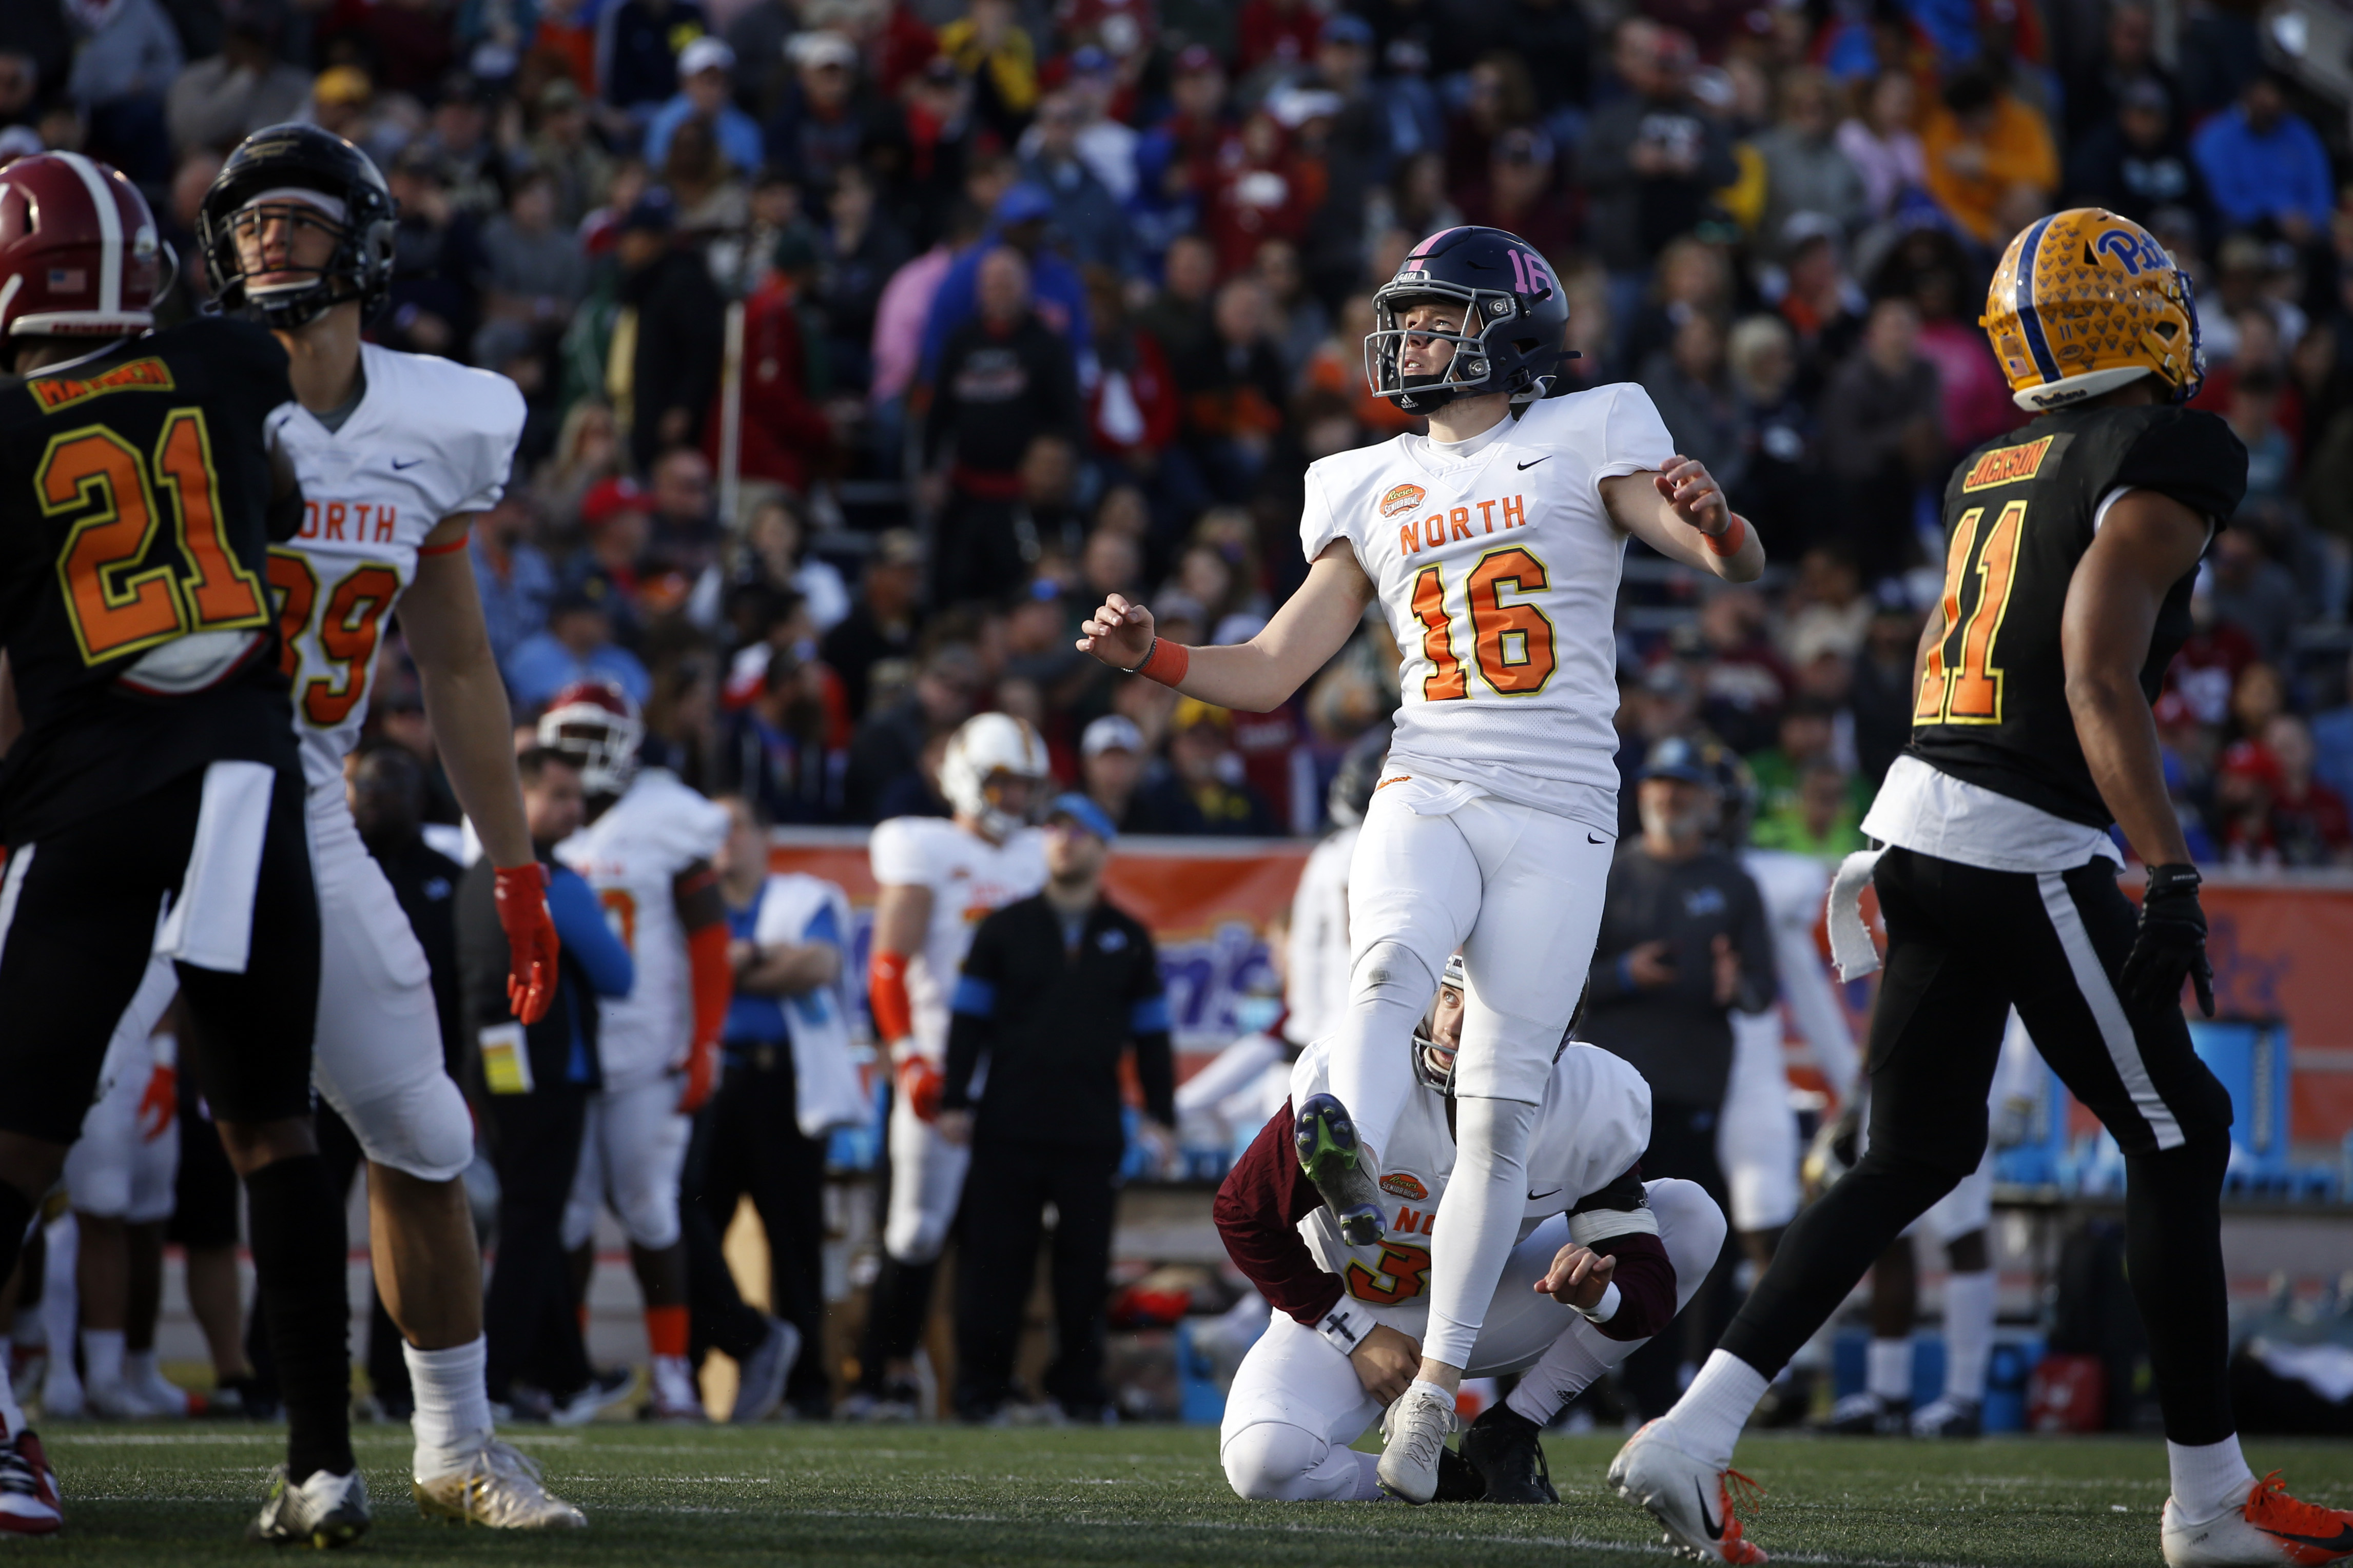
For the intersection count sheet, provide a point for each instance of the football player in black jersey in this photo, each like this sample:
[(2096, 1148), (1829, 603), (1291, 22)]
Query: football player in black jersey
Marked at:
[(2072, 545), (152, 801)]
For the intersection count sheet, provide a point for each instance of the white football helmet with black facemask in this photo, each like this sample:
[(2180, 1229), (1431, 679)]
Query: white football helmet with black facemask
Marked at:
[(1434, 1063)]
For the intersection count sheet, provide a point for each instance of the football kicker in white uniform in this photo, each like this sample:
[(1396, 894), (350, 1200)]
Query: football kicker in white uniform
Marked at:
[(1342, 1340), (1493, 545), (395, 453), (647, 850), (937, 880)]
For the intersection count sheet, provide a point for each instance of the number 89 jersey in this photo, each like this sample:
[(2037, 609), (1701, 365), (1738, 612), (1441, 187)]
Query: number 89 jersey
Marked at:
[(1497, 567), (429, 439), (2020, 512)]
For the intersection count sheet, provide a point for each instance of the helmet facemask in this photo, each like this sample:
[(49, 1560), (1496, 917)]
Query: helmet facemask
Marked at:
[(314, 291), (1434, 1061), (1468, 373)]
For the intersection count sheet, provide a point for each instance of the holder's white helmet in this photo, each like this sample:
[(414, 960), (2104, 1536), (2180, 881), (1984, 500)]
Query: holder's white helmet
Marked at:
[(1456, 978), (985, 746)]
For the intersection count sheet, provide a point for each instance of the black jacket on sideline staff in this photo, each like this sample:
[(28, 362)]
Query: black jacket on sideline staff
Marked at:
[(1676, 1035), (1052, 1019)]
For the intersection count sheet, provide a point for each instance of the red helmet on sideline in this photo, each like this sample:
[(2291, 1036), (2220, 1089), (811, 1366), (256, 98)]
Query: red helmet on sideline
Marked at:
[(78, 254)]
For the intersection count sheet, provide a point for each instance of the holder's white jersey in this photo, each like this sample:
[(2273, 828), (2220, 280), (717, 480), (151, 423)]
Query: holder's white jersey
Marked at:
[(1592, 1125), (632, 856), (1497, 567), (429, 439), (969, 878)]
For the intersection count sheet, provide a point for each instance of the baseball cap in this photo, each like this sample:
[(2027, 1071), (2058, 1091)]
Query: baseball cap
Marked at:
[(609, 497), (655, 210), (1192, 712), (821, 48), (1194, 59), (1346, 27), (1676, 758), (1084, 811), (899, 547), (706, 53), (1112, 732), (1089, 60), (560, 96), (341, 84), (1026, 201)]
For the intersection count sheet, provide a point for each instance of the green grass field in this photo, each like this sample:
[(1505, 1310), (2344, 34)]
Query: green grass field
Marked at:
[(682, 1497)]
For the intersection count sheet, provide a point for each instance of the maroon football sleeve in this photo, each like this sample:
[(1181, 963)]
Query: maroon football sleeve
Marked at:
[(1646, 1286), (1257, 1211)]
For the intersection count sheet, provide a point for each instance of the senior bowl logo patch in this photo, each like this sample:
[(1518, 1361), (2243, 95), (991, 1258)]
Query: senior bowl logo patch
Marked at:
[(1398, 1184), (1404, 498)]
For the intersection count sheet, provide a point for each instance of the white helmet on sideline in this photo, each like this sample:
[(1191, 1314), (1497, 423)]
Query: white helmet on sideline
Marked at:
[(985, 746), (596, 724)]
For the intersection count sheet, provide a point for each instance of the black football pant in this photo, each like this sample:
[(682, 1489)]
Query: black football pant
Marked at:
[(1005, 1198), (1964, 946), (748, 1143), (531, 1318)]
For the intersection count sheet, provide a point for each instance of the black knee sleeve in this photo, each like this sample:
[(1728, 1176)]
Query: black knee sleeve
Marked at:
[(298, 1248), (2173, 1253)]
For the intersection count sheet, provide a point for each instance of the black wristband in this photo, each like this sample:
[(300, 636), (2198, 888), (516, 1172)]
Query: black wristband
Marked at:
[(2166, 880)]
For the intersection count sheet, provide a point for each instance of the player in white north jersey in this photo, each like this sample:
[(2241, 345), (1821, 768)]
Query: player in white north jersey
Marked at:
[(647, 850), (937, 880), (395, 453), (1493, 545), (1601, 1261)]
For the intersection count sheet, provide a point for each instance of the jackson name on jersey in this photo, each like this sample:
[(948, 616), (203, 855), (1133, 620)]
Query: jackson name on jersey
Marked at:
[(968, 877), (429, 439), (1497, 567), (1591, 1127)]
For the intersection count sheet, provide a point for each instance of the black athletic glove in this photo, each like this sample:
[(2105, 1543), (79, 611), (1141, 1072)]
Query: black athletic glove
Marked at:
[(2170, 945)]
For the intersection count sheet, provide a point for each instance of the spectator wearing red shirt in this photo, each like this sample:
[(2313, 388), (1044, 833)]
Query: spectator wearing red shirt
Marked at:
[(1276, 32), (2309, 820), (1267, 193), (2247, 788)]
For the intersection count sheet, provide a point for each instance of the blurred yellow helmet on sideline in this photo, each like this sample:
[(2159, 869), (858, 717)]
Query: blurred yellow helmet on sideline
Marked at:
[(2085, 301)]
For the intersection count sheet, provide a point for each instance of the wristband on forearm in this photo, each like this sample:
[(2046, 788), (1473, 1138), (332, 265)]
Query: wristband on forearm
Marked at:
[(1729, 543), (1344, 1328), (1164, 662), (1604, 1309)]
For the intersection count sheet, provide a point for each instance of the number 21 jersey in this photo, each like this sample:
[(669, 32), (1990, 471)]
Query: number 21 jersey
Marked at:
[(2020, 512), (1497, 568), (429, 439)]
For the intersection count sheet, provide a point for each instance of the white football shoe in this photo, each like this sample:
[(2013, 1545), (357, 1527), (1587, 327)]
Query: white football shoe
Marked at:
[(1415, 1429), (324, 1511), (1690, 1496), (2269, 1527), (497, 1487)]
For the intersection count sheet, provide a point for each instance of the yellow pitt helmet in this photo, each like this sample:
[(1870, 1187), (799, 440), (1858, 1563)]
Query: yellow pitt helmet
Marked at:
[(2085, 301)]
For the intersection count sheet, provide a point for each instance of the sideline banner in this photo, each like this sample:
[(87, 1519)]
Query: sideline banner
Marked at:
[(2282, 944)]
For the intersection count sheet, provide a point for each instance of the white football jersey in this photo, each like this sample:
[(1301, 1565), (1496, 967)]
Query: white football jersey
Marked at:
[(1315, 979), (429, 439), (968, 877), (1793, 887), (1592, 1125), (632, 856), (1497, 567)]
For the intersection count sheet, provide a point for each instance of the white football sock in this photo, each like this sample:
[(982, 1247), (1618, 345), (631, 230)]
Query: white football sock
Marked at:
[(1478, 1222), (1371, 1064), (1708, 1419), (453, 1411), (102, 1358), (1968, 1333), (1889, 1374), (1567, 1369), (2210, 1479)]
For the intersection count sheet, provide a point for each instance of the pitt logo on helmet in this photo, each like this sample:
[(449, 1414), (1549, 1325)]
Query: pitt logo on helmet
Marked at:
[(2086, 301)]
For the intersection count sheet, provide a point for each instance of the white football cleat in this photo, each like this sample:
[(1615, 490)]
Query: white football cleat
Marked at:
[(1415, 1429), (325, 1510), (2269, 1527), (496, 1487), (1690, 1496), (29, 1504)]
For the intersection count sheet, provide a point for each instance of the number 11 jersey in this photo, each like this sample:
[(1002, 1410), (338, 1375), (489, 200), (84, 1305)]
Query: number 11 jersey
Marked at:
[(1497, 568), (429, 439)]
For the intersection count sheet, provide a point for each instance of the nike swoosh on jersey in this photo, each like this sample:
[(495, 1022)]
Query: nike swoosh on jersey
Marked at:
[(1532, 462), (1547, 1193), (1715, 1530), (1591, 839), (397, 465)]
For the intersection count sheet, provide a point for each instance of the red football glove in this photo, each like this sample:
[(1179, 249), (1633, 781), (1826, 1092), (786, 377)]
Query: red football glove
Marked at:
[(701, 1075), (921, 1083), (531, 946), (161, 1102)]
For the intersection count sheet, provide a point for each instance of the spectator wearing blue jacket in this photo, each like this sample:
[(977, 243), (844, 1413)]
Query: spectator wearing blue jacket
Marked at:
[(1057, 294), (704, 69), (533, 1083), (2261, 161)]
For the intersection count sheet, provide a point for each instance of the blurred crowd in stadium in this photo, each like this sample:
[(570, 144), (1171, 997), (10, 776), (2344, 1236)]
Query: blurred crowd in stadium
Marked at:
[(1044, 299)]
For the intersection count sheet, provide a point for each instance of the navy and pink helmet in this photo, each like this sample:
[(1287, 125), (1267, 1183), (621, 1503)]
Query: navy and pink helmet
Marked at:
[(1515, 328)]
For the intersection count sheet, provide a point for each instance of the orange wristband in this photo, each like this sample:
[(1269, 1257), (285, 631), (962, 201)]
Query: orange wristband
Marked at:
[(1166, 663), (1729, 541)]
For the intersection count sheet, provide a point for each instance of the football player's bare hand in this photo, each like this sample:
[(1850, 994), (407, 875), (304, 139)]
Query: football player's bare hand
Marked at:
[(1651, 965), (953, 1127), (1119, 633), (1578, 1276), (1727, 960), (1386, 1363), (1686, 486)]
